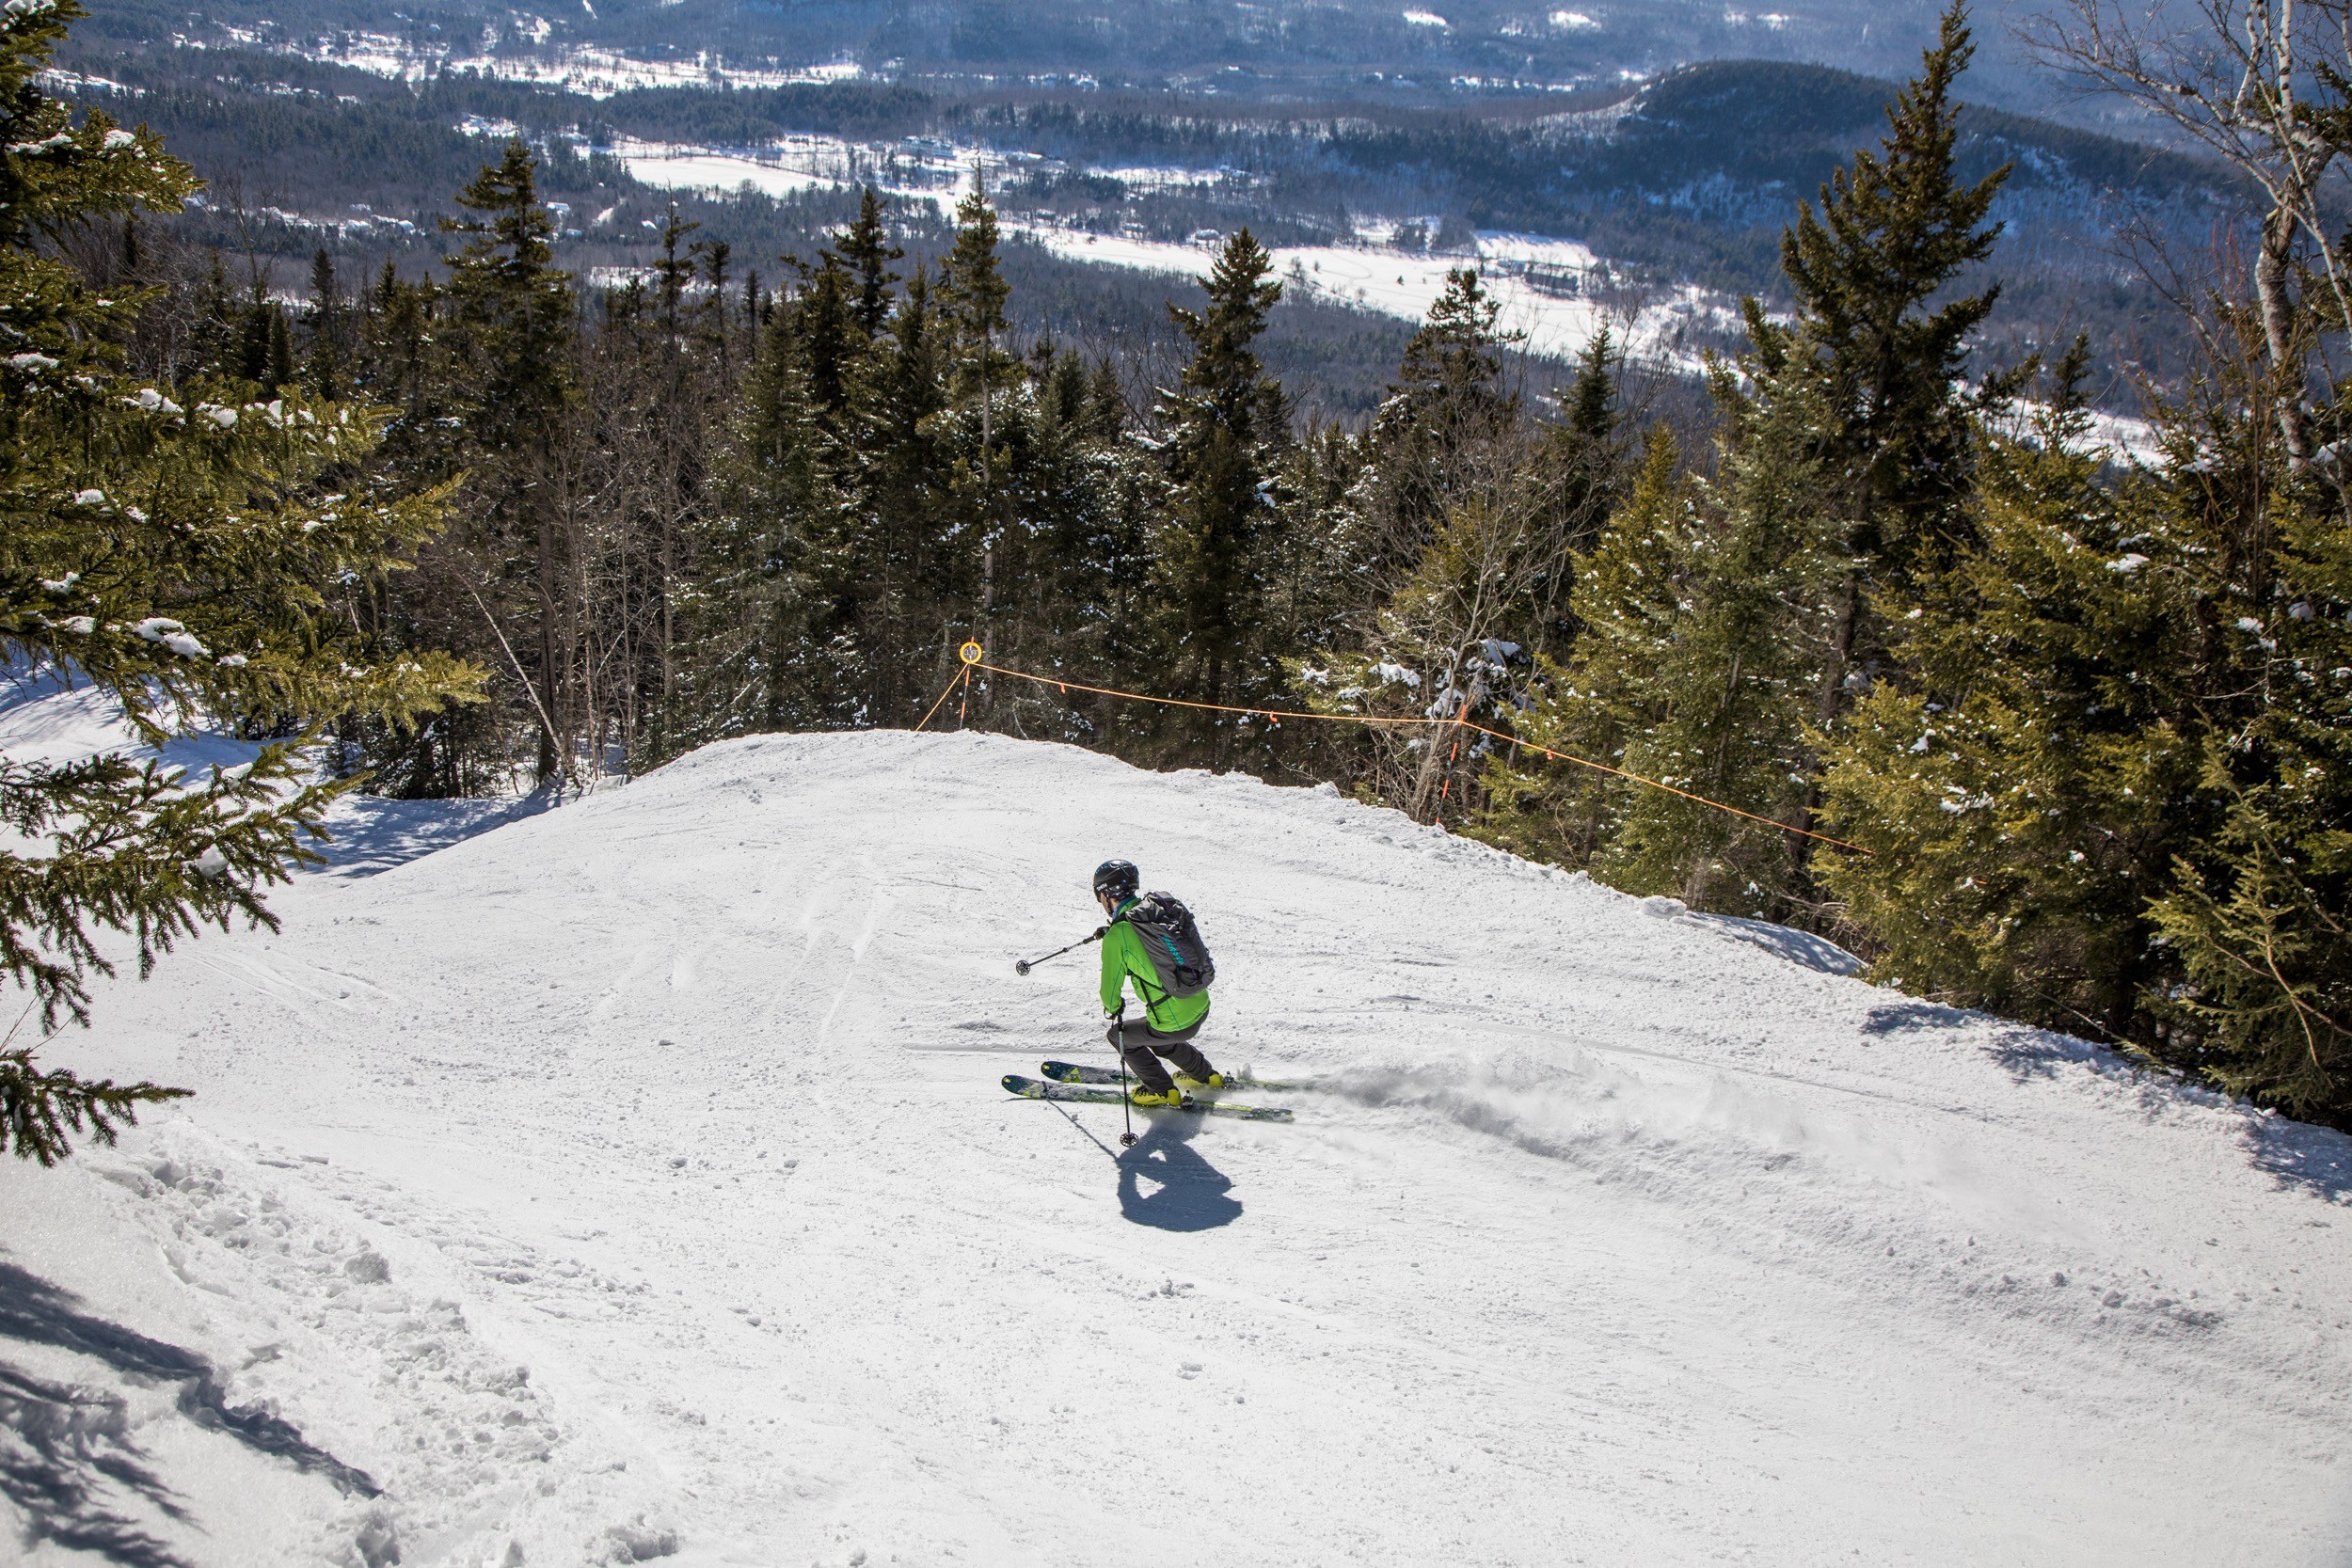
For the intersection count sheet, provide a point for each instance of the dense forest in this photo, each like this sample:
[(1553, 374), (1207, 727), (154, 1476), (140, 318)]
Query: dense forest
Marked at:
[(2030, 730)]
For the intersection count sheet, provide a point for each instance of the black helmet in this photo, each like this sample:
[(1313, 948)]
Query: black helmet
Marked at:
[(1116, 877)]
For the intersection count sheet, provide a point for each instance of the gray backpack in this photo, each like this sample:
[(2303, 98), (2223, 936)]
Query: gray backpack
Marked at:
[(1172, 940)]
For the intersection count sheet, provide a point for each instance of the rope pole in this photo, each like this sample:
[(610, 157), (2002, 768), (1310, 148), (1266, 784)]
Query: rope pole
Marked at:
[(1459, 722)]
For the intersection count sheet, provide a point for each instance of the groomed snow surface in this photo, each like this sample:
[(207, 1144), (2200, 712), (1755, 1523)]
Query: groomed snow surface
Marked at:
[(631, 1182)]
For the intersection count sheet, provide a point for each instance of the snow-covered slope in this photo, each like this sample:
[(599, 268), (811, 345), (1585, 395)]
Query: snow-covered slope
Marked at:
[(50, 717), (632, 1182)]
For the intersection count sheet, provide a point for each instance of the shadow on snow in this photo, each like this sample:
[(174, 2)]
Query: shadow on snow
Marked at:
[(1188, 1193), (2293, 1153), (66, 1451)]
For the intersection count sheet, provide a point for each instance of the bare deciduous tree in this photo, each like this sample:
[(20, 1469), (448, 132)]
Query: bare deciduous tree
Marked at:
[(2265, 86)]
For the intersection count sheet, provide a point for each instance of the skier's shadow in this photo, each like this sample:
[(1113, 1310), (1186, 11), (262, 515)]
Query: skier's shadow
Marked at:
[(1189, 1193)]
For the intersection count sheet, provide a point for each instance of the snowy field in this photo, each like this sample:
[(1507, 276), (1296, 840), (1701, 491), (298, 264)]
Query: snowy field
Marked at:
[(1378, 277), (631, 1182), (592, 73), (1405, 284)]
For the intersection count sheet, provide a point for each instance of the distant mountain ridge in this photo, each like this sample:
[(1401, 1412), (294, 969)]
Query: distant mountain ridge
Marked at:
[(1772, 121), (1693, 177), (1687, 180), (1389, 51)]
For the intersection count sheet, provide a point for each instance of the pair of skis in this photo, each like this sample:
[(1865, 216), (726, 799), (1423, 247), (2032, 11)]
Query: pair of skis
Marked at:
[(1075, 1081)]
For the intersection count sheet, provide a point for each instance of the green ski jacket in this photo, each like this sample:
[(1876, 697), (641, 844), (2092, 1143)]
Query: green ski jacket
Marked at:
[(1124, 959)]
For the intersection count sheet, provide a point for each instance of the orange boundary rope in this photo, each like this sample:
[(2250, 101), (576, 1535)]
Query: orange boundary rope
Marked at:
[(1276, 714), (959, 675)]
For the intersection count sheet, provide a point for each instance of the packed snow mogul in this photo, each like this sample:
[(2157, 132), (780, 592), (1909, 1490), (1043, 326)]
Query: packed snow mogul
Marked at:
[(1153, 942)]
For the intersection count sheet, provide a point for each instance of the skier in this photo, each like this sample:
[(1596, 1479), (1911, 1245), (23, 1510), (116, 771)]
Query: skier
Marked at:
[(1170, 1021)]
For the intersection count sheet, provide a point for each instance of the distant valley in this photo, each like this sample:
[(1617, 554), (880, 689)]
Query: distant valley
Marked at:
[(1649, 204)]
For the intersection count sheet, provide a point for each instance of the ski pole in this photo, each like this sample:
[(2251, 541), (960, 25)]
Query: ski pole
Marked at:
[(1023, 966), (1126, 1107)]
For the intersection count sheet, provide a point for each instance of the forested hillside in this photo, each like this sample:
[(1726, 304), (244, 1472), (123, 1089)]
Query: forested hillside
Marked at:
[(1878, 642), (1370, 52), (1684, 182)]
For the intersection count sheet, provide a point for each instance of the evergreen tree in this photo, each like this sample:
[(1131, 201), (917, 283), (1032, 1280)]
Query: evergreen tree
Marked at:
[(1575, 476), (2020, 793), (865, 250), (916, 597), (1728, 691), (402, 364), (1487, 569), (1895, 443), (2113, 800), (1107, 416), (972, 294), (1847, 465), (772, 573), (716, 257), (1228, 424), (401, 360), (1445, 414), (513, 336), (675, 270), (254, 341), (1317, 581), (280, 372), (973, 291), (1079, 527), (832, 341), (906, 495), (323, 373), (1585, 450), (1627, 606), (172, 545), (2259, 915)]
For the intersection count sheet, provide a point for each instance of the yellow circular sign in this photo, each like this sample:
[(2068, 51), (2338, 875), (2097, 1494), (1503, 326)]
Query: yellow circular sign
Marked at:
[(970, 653)]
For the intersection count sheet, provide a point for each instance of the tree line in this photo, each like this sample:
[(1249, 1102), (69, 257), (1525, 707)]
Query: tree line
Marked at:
[(2031, 728)]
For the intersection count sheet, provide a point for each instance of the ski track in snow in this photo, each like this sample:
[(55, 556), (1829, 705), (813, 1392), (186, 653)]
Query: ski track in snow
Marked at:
[(631, 1182)]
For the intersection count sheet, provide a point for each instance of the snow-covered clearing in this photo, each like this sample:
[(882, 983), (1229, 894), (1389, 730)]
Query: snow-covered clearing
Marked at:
[(1407, 283), (632, 1181), (913, 168), (46, 718), (592, 73), (1388, 279)]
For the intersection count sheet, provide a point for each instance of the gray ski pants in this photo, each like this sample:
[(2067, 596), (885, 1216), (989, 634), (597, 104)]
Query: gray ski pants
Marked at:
[(1143, 1046)]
